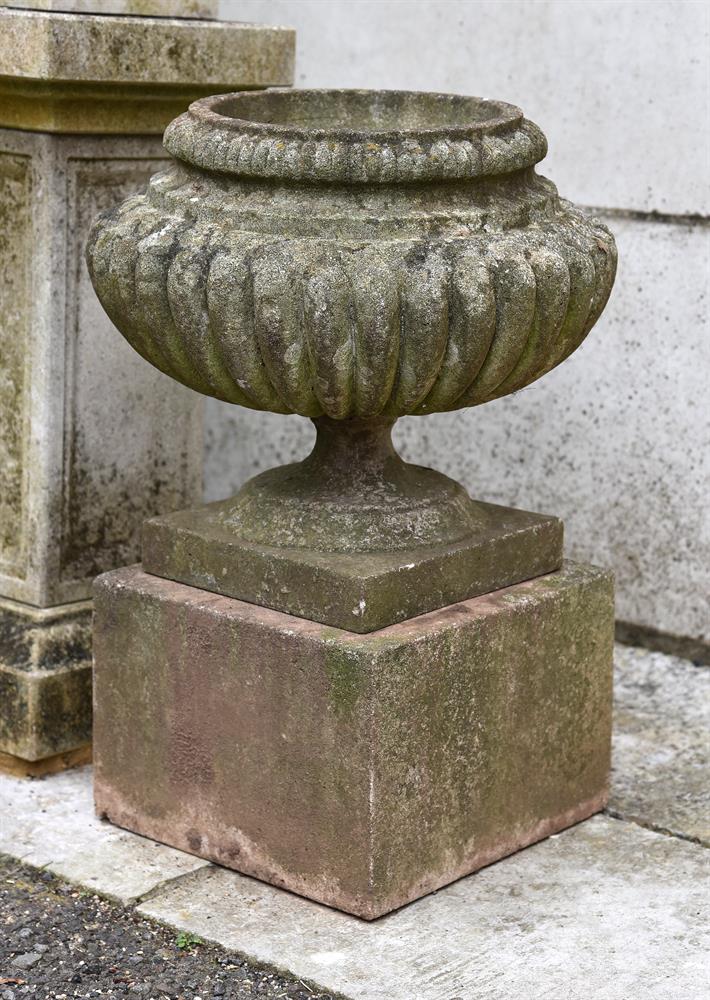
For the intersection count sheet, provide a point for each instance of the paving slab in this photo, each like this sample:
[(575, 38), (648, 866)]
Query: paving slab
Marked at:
[(661, 753), (606, 910), (51, 824)]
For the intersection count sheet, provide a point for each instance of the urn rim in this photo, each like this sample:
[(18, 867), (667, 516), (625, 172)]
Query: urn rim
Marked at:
[(269, 105), (350, 136)]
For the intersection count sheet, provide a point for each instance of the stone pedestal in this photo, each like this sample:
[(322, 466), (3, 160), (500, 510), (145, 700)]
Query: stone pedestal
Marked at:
[(92, 440), (358, 770)]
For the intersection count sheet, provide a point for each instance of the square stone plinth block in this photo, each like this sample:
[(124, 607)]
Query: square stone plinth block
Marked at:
[(360, 771), (361, 591)]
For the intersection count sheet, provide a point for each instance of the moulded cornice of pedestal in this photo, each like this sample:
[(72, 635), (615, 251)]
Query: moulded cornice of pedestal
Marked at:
[(66, 72)]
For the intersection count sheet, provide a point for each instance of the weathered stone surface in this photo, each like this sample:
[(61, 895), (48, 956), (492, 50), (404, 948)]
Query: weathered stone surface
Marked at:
[(661, 756), (132, 75), (352, 537), (45, 679), (605, 911), (80, 469), (50, 824), (600, 451), (362, 771), (312, 275), (358, 591)]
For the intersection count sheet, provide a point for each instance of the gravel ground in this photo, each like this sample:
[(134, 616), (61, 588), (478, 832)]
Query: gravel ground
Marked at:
[(58, 941)]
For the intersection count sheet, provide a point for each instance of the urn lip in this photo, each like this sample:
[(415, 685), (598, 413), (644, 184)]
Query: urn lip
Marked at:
[(351, 136)]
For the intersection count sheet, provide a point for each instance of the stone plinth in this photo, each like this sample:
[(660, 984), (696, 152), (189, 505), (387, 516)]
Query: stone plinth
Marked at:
[(82, 73), (360, 771), (359, 592), (92, 441)]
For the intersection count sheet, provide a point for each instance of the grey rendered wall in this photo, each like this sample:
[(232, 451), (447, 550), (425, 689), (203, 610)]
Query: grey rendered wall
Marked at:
[(617, 441)]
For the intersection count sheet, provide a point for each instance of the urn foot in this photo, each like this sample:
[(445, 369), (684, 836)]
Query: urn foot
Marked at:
[(359, 771), (352, 537)]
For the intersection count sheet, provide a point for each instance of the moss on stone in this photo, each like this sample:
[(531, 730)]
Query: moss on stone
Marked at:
[(346, 678)]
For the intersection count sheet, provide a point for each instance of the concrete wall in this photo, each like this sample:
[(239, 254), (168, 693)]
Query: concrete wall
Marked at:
[(617, 440)]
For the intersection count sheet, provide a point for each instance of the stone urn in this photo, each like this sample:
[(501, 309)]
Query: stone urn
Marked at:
[(352, 679), (353, 257)]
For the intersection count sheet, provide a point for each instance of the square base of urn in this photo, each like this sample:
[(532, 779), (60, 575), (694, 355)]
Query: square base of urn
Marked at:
[(362, 771)]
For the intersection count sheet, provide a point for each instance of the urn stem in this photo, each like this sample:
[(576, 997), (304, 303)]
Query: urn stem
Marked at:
[(348, 451)]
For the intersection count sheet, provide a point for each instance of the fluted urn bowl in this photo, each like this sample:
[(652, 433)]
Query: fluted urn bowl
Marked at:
[(351, 256)]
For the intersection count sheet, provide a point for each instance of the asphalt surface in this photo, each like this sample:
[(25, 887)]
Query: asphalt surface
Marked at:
[(59, 942)]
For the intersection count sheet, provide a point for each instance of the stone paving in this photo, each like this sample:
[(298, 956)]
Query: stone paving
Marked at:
[(661, 766), (616, 907)]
